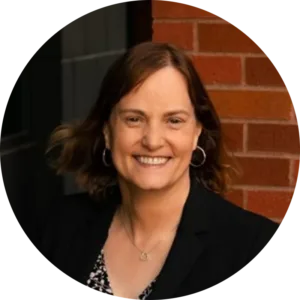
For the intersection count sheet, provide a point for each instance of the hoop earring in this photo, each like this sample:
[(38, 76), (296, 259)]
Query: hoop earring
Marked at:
[(104, 159), (204, 158)]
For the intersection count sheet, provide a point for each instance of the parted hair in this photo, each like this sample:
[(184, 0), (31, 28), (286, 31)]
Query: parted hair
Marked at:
[(77, 147)]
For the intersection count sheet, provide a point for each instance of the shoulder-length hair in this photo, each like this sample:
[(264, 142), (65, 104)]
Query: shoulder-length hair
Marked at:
[(81, 144)]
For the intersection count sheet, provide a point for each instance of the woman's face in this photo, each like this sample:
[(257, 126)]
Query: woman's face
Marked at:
[(153, 131)]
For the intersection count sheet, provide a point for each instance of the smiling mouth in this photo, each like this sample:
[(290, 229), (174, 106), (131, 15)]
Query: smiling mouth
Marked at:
[(152, 161)]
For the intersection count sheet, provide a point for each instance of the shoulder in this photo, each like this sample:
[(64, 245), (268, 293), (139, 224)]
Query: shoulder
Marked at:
[(226, 213), (75, 208), (73, 217), (71, 209), (78, 213), (244, 229)]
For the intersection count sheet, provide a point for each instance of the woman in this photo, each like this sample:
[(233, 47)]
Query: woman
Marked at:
[(150, 154)]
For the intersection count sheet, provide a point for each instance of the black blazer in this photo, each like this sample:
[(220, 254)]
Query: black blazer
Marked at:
[(215, 239)]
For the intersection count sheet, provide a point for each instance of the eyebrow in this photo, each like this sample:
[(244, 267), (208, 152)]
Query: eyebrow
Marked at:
[(140, 112)]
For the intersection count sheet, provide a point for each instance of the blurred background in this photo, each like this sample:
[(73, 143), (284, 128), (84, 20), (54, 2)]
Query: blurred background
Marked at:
[(62, 80), (59, 84)]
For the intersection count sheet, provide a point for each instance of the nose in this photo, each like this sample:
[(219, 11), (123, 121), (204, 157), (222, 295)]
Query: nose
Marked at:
[(153, 137)]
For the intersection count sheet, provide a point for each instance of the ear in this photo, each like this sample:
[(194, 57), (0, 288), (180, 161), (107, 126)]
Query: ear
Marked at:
[(197, 135), (106, 134)]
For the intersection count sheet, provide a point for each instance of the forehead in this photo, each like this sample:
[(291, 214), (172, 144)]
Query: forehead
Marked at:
[(164, 89)]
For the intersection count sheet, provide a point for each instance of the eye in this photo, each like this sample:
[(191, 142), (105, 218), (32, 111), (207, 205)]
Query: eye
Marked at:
[(133, 120), (175, 121)]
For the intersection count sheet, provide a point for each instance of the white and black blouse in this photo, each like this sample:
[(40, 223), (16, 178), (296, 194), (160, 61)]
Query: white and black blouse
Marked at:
[(98, 280)]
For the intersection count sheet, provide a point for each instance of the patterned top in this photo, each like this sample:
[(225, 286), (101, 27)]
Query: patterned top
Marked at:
[(99, 280)]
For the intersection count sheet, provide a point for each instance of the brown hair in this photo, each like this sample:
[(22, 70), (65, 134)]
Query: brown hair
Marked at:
[(80, 145)]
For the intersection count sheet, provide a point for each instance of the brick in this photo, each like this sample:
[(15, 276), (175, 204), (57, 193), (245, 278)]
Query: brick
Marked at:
[(295, 172), (224, 38), (261, 71), (293, 116), (277, 220), (271, 204), (236, 197), (273, 138), (263, 171), (173, 10), (252, 104), (233, 136), (218, 69), (180, 34)]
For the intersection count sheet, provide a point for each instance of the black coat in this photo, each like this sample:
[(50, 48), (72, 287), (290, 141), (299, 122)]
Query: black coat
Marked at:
[(216, 244)]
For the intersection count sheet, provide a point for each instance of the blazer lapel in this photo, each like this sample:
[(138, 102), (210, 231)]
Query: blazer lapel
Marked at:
[(95, 233), (188, 245)]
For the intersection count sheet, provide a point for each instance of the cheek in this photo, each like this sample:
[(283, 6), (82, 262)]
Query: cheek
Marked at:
[(186, 141), (124, 140), (183, 143), (187, 151)]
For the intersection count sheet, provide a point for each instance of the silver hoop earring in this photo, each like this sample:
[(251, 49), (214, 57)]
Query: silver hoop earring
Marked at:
[(104, 159), (204, 158)]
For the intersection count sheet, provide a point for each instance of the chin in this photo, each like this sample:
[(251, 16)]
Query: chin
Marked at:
[(151, 184)]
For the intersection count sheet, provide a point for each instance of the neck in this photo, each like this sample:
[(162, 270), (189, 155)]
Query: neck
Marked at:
[(154, 211)]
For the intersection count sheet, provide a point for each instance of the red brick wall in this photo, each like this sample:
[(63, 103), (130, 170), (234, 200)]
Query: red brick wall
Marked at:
[(251, 99)]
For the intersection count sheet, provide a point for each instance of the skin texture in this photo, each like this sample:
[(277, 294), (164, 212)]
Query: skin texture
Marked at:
[(157, 194)]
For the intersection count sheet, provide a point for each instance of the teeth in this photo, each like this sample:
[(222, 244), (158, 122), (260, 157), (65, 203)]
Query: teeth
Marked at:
[(152, 160)]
